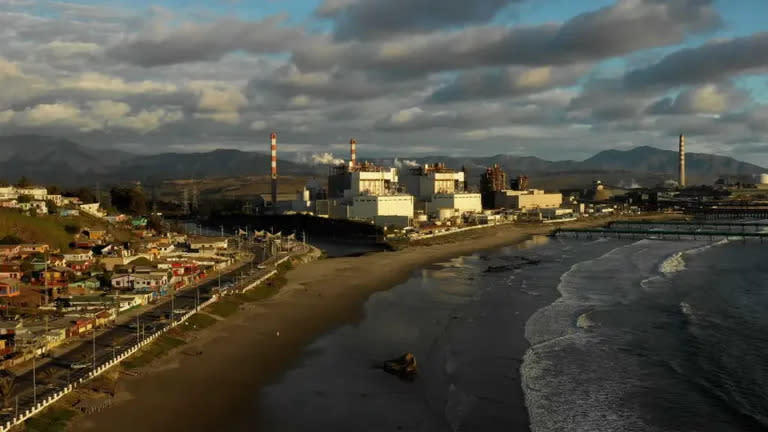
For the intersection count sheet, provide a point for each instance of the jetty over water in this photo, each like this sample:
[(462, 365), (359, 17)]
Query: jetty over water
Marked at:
[(730, 211), (693, 225), (660, 234)]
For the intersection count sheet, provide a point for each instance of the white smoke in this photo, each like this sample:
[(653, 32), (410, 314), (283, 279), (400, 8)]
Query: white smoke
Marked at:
[(325, 159), (632, 184), (405, 163)]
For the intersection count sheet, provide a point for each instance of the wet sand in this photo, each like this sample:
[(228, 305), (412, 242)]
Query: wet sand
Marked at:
[(250, 349)]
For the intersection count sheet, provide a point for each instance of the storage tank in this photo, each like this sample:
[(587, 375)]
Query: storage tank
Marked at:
[(445, 213), (764, 179)]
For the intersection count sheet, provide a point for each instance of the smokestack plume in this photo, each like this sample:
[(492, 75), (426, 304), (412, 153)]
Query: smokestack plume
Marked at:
[(273, 139), (681, 167), (352, 153)]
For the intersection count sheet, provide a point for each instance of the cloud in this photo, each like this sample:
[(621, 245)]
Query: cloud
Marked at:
[(61, 49), (371, 19), (97, 82), (98, 115), (194, 42), (506, 82), (627, 26), (706, 99), (696, 65)]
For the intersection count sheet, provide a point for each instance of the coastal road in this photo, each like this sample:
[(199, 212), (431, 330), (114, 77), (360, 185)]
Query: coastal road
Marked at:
[(53, 374)]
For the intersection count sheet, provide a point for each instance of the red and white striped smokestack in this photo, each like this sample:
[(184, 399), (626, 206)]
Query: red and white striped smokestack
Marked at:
[(353, 152), (273, 137)]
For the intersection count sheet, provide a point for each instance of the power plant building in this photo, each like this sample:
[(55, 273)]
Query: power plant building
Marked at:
[(493, 180), (367, 192), (439, 188), (527, 200)]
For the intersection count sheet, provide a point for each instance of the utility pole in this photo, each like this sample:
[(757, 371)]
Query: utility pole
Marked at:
[(45, 278), (93, 365), (197, 298), (34, 377), (138, 336)]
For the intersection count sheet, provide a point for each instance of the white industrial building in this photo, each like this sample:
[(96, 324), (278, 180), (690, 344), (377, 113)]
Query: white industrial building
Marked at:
[(424, 182), (527, 199), (441, 191), (462, 202)]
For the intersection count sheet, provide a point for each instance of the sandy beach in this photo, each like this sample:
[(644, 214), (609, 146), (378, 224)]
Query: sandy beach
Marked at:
[(251, 348)]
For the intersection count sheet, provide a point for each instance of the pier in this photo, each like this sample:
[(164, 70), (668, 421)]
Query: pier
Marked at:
[(744, 211), (656, 234), (695, 224)]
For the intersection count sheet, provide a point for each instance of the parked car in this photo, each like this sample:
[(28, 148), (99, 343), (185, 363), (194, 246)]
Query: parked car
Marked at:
[(79, 365)]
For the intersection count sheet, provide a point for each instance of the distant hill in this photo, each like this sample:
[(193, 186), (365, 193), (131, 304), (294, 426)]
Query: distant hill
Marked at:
[(60, 161)]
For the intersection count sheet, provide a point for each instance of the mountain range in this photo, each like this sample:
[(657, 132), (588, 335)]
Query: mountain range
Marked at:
[(51, 160)]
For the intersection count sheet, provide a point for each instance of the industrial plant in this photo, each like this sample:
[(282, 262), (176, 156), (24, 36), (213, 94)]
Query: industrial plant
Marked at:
[(419, 196)]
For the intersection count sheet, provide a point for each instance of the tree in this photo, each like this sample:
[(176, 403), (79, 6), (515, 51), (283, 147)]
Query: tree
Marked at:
[(11, 239), (7, 384), (129, 200), (24, 199), (53, 208), (72, 228), (23, 182), (54, 190)]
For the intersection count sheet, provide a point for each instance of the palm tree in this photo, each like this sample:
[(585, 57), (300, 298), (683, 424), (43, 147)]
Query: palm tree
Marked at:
[(7, 384)]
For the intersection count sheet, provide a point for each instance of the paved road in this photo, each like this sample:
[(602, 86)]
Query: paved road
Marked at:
[(52, 374)]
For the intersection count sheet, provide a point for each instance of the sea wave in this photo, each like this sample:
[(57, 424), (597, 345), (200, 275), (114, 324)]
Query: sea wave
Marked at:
[(673, 264)]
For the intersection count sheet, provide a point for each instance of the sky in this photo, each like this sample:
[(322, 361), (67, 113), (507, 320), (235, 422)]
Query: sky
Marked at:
[(557, 79)]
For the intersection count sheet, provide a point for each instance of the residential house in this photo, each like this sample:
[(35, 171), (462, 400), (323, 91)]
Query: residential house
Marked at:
[(57, 276), (93, 210), (83, 287), (10, 271), (8, 193), (79, 255), (95, 234), (39, 262), (65, 200), (68, 212), (9, 251), (117, 219), (39, 206), (9, 203), (36, 192), (30, 248), (10, 288), (55, 198), (141, 282), (80, 326), (200, 243), (80, 267)]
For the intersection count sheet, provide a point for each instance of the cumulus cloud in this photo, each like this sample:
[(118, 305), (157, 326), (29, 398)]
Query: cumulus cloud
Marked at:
[(696, 65), (208, 42), (217, 101), (97, 115), (627, 26), (506, 82), (369, 19), (706, 99), (62, 49)]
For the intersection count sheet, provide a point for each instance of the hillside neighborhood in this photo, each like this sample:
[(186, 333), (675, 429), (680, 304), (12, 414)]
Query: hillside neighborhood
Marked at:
[(51, 295)]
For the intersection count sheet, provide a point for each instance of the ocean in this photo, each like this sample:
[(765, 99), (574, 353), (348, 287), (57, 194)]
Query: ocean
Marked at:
[(550, 335)]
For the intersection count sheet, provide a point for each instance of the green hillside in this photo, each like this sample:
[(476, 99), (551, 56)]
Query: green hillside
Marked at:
[(47, 229)]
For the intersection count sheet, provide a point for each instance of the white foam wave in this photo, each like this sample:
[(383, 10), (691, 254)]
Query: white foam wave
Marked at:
[(673, 264), (584, 321)]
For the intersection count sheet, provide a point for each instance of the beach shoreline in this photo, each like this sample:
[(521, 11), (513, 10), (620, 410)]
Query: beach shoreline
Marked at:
[(253, 348)]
